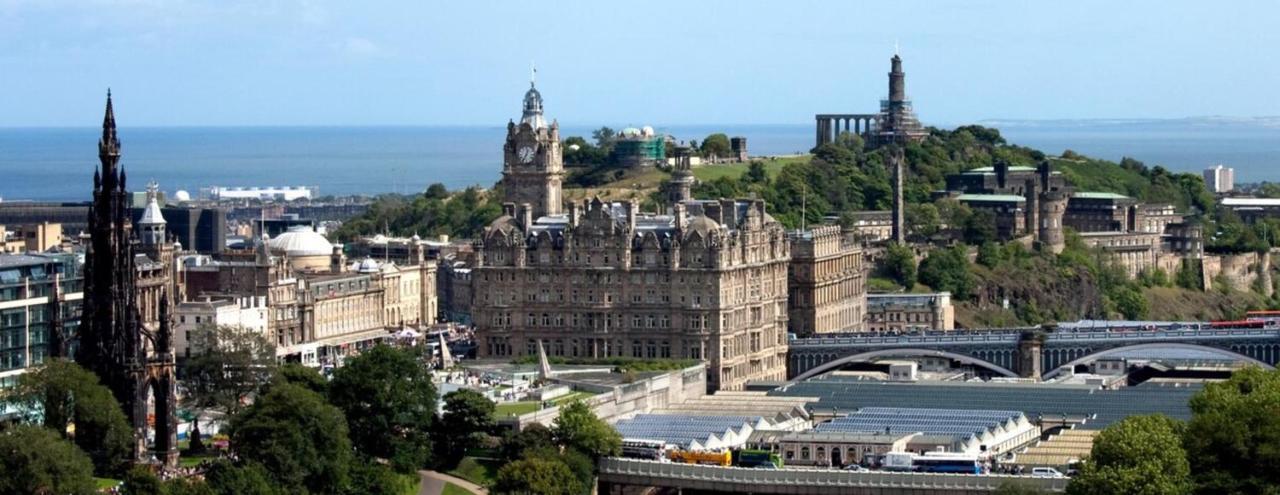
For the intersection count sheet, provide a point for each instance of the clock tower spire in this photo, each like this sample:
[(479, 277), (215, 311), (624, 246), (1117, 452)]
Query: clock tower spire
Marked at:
[(533, 166)]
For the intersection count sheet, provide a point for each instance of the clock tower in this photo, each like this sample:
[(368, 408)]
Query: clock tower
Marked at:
[(532, 164)]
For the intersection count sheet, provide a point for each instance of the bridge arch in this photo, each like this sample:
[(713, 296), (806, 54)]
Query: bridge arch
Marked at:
[(899, 352), (1154, 345)]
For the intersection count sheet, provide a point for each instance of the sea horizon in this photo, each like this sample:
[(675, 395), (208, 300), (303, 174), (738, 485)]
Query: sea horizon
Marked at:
[(57, 163)]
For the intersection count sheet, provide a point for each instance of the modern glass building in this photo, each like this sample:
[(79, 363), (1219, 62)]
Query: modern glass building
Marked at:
[(28, 311)]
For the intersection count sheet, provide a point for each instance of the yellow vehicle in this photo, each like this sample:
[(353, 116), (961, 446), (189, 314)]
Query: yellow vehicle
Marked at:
[(694, 457)]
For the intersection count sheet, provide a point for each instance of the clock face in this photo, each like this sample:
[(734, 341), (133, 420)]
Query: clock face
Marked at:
[(525, 154)]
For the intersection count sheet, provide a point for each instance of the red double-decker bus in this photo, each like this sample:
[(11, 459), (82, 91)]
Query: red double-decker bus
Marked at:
[(1238, 324)]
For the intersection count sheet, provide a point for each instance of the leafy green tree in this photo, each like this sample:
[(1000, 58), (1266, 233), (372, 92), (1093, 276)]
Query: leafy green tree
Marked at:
[(900, 265), (716, 145), (188, 486), (1153, 277), (953, 214), (298, 439), (604, 137), (437, 191), (756, 174), (1129, 301), (305, 377), (923, 219), (228, 365), (948, 270), (541, 476), (37, 460), (1235, 434), (60, 394), (225, 478), (390, 403), (530, 438), (1140, 455), (139, 480), (980, 227), (373, 478), (1189, 275), (578, 427), (467, 414), (460, 214), (990, 254)]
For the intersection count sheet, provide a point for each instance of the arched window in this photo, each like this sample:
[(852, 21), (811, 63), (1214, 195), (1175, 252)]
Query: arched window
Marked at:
[(804, 453)]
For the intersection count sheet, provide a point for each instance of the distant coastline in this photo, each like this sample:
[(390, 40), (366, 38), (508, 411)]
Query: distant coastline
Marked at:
[(56, 164)]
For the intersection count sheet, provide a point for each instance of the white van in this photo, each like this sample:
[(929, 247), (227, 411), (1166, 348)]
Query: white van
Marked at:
[(1046, 472)]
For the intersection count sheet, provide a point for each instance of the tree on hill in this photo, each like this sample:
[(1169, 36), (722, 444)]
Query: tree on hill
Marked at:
[(980, 227), (390, 404), (299, 440), (900, 265), (923, 219), (948, 270), (1138, 455), (461, 214), (716, 145), (37, 460), (1235, 434), (605, 138), (60, 394), (578, 152)]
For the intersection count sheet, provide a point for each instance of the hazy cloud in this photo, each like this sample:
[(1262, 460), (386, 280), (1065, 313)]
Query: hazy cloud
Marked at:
[(357, 47)]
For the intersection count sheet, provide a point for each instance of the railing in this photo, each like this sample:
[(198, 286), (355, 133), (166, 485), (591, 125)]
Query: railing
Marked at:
[(899, 339), (667, 474), (962, 337)]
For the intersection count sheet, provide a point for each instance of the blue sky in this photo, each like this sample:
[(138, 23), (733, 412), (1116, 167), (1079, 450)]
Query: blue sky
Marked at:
[(306, 62)]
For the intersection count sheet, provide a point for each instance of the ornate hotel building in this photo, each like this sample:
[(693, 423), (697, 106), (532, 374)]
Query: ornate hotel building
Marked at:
[(706, 280), (828, 282)]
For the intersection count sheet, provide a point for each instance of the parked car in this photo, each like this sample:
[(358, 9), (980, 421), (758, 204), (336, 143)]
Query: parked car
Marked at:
[(1046, 472)]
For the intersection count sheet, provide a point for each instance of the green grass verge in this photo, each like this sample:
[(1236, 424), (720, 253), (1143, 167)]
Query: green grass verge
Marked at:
[(452, 489), (514, 409), (526, 407), (411, 484), (571, 396), (193, 460), (104, 483), (480, 472), (708, 172)]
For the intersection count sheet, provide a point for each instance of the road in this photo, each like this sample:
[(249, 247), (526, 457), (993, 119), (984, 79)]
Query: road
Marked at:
[(433, 483)]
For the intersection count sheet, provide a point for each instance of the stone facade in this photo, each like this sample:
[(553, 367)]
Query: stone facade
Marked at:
[(909, 312), (895, 123), (872, 226), (827, 285), (249, 314), (532, 165), (707, 282), (1026, 201), (130, 285), (30, 238)]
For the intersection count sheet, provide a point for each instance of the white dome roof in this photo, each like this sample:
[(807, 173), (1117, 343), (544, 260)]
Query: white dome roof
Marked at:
[(301, 241), (367, 265), (630, 132), (181, 196), (646, 131)]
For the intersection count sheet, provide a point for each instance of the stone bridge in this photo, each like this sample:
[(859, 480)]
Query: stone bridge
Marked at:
[(1029, 352), (632, 476)]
